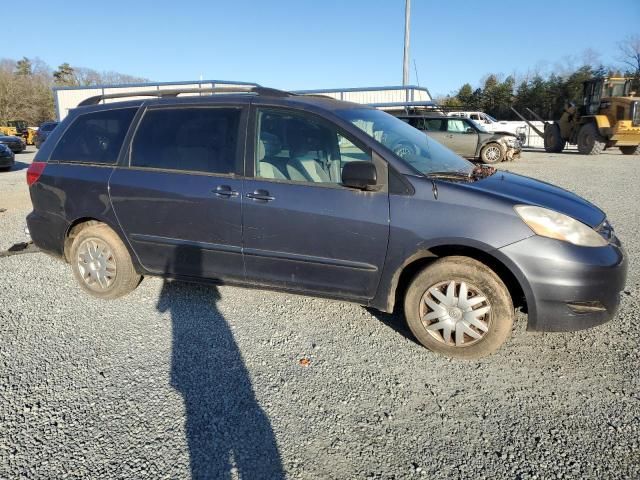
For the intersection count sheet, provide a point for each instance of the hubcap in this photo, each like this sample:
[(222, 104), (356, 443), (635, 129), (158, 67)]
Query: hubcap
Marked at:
[(492, 154), (455, 313), (96, 264)]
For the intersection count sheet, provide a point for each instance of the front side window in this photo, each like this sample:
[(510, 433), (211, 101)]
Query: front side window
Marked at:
[(420, 151), (196, 139), (457, 126), (296, 147), (94, 137)]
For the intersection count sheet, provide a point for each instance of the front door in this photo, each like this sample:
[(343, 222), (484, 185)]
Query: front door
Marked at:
[(179, 201), (302, 229), (462, 138)]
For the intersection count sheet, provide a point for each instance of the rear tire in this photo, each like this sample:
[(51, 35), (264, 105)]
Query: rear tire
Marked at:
[(553, 142), (492, 153), (102, 264), (477, 326), (590, 142), (630, 150)]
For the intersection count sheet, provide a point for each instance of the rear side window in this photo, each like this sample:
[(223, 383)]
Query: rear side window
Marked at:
[(47, 127), (196, 139), (94, 137), (432, 124)]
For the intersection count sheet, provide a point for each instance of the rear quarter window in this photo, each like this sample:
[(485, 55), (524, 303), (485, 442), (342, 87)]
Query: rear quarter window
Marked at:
[(94, 137)]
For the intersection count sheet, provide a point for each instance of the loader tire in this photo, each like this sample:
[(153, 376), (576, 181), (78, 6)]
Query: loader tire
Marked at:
[(590, 142), (553, 142)]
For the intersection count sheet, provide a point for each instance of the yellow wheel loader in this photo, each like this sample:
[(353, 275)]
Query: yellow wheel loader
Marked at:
[(608, 117)]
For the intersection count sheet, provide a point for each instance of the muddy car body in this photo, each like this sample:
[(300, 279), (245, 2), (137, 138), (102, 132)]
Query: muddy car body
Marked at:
[(307, 194)]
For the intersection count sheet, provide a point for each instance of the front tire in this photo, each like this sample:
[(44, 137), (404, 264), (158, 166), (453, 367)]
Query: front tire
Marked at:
[(492, 153), (590, 142), (102, 264), (460, 308), (630, 150)]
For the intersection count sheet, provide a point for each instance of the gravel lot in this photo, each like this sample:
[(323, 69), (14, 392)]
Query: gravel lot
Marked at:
[(178, 378)]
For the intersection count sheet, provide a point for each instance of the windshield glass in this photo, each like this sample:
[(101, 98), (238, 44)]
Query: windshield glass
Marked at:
[(410, 144), (493, 120)]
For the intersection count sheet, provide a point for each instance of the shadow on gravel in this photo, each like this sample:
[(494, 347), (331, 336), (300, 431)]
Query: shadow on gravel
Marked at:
[(394, 320), (227, 431), (19, 166)]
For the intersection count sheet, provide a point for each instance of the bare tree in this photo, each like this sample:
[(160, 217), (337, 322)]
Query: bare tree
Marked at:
[(629, 50)]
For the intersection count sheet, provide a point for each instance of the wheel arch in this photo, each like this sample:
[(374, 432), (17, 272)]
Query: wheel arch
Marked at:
[(519, 289), (80, 223)]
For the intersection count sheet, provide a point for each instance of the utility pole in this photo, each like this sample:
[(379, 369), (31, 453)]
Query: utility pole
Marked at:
[(405, 64)]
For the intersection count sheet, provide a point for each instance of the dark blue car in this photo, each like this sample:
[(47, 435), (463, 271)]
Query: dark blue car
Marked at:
[(312, 195)]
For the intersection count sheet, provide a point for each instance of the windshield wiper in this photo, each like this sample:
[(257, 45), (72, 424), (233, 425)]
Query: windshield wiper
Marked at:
[(450, 174)]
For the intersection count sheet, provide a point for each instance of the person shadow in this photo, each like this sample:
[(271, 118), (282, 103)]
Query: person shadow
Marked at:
[(228, 433)]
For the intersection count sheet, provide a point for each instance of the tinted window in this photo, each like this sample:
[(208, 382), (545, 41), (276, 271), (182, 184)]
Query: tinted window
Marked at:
[(192, 139), (94, 137), (432, 124), (300, 148)]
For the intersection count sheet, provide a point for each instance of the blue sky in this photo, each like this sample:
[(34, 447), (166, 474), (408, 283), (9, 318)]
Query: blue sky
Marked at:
[(319, 44)]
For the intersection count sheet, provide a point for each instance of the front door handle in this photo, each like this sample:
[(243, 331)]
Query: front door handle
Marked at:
[(261, 195), (225, 191)]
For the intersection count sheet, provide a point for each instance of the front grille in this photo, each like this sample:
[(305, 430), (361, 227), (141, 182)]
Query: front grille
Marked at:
[(636, 114)]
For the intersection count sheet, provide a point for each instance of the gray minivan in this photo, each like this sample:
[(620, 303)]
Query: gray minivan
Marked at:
[(309, 195)]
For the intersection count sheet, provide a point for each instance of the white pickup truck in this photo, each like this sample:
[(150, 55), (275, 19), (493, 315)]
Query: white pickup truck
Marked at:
[(492, 125)]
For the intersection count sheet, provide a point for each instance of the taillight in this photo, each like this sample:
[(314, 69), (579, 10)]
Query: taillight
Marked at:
[(34, 171)]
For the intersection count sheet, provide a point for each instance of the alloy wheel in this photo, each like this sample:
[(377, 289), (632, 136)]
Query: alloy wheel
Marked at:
[(96, 264)]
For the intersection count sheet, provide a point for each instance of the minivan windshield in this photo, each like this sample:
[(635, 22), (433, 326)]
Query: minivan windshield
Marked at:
[(410, 144)]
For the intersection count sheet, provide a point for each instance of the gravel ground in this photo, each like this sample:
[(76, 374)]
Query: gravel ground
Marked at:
[(177, 378)]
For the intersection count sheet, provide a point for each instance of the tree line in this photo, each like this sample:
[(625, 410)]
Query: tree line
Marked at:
[(26, 87), (545, 94)]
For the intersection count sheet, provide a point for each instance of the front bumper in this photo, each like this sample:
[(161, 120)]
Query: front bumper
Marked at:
[(513, 153), (567, 287)]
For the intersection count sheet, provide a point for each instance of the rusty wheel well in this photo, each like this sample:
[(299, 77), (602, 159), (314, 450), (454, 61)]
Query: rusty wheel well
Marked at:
[(76, 227), (410, 270)]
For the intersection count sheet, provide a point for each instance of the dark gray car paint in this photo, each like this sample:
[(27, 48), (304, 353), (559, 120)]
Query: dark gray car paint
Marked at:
[(326, 241)]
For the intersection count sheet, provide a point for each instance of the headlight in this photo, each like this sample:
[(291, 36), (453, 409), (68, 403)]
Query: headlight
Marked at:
[(551, 224)]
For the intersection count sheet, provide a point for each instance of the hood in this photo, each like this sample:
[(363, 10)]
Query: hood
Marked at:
[(9, 138), (526, 191)]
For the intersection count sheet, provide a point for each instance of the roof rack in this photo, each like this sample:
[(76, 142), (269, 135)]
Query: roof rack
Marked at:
[(256, 90)]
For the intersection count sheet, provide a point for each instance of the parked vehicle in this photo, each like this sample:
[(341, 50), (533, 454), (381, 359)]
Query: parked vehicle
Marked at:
[(608, 117), (43, 132), (490, 124), (467, 138), (16, 144), (7, 158), (304, 194)]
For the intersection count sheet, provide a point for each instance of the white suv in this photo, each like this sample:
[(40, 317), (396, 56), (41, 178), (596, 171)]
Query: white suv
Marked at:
[(492, 125)]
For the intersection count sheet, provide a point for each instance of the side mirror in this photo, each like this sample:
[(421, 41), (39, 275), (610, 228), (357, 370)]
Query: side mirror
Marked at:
[(360, 175), (470, 130)]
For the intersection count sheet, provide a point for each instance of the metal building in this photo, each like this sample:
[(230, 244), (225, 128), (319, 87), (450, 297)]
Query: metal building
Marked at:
[(66, 98)]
